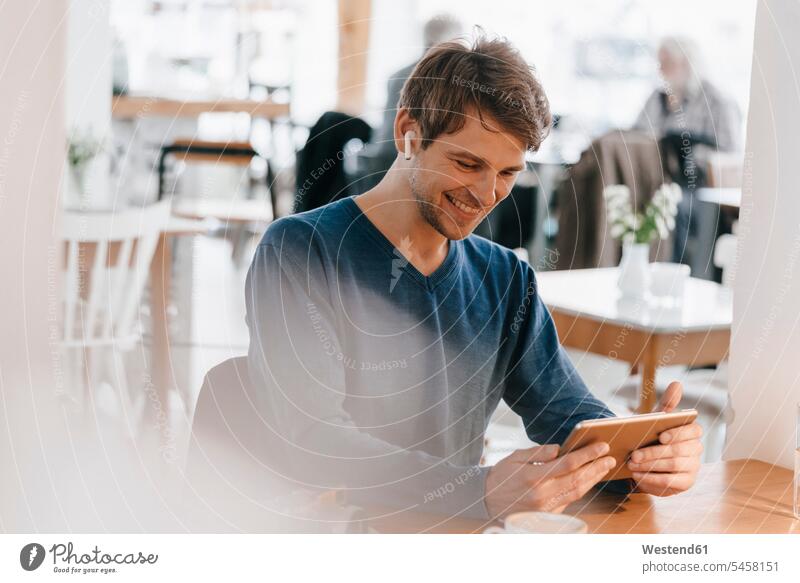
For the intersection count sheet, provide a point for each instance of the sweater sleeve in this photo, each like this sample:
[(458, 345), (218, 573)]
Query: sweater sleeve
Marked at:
[(542, 385), (296, 366)]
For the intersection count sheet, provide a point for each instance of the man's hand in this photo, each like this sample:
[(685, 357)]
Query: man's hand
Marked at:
[(535, 479), (670, 467)]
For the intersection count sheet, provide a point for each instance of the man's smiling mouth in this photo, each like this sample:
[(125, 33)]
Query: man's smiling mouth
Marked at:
[(471, 210)]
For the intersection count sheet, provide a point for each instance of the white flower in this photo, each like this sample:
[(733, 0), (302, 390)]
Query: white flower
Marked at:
[(617, 192), (629, 225), (618, 230), (663, 208), (615, 213), (663, 232), (676, 191)]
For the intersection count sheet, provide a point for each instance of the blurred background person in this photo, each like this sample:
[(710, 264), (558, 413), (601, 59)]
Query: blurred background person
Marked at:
[(438, 29), (376, 158), (687, 104), (691, 119)]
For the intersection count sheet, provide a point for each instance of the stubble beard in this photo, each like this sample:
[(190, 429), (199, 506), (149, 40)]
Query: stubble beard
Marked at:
[(429, 211)]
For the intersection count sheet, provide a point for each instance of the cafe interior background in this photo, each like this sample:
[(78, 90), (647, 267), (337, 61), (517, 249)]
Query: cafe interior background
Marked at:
[(184, 124)]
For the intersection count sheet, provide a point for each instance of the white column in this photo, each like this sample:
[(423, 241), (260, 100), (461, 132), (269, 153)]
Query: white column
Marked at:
[(33, 442), (765, 352)]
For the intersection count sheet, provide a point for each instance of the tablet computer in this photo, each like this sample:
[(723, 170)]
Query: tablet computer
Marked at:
[(624, 435)]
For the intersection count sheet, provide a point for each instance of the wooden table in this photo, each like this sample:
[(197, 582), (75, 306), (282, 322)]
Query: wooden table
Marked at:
[(229, 212), (590, 316), (134, 106), (724, 197), (741, 496)]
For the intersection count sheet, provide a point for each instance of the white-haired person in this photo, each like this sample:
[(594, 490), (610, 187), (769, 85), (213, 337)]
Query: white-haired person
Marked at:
[(687, 103), (692, 119)]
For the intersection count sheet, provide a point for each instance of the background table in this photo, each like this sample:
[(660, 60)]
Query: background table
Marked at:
[(227, 212), (134, 106), (741, 496), (590, 316), (725, 197)]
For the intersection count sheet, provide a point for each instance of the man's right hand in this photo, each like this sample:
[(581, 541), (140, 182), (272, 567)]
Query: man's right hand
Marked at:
[(514, 484)]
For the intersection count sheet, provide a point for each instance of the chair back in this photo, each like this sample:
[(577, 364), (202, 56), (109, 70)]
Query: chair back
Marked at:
[(229, 444), (584, 237), (108, 257), (725, 257)]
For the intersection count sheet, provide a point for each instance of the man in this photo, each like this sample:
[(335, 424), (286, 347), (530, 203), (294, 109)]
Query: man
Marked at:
[(692, 119), (383, 335), (688, 104)]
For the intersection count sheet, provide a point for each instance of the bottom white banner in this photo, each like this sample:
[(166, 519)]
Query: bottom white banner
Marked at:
[(240, 558)]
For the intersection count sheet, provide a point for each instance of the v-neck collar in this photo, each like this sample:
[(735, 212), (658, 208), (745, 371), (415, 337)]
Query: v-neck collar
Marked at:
[(429, 282)]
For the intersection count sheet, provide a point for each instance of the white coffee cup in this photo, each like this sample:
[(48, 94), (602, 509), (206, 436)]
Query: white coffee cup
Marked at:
[(668, 281), (539, 523)]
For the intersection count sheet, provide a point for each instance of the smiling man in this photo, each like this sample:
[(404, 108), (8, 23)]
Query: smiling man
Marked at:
[(383, 334)]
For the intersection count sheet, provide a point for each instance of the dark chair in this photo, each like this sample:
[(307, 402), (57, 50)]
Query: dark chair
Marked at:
[(513, 223), (321, 177), (698, 224), (234, 485), (228, 449)]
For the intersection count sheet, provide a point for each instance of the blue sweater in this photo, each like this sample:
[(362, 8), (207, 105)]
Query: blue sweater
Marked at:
[(380, 381)]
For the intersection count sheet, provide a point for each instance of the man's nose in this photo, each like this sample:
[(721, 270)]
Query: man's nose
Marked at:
[(486, 190)]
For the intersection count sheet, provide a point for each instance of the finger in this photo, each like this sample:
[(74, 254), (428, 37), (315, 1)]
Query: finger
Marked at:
[(672, 397), (682, 433), (538, 453), (550, 493), (674, 465), (575, 485), (653, 483), (679, 449), (575, 459)]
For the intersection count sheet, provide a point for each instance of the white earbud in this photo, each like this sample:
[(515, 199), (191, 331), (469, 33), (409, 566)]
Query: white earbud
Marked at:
[(407, 150)]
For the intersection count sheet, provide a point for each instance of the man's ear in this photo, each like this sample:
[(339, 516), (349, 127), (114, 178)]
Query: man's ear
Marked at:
[(406, 134)]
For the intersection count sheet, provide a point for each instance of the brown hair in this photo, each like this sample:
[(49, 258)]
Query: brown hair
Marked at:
[(489, 78)]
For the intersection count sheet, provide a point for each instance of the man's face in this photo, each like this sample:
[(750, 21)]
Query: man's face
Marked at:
[(674, 71), (459, 178)]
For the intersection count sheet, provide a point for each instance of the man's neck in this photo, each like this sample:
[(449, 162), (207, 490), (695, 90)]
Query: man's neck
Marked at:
[(392, 208)]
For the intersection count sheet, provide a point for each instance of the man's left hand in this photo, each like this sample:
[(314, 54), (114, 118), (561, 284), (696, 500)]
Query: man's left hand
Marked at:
[(670, 467)]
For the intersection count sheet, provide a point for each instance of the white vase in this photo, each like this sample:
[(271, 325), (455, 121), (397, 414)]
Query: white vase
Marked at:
[(76, 187), (634, 270)]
